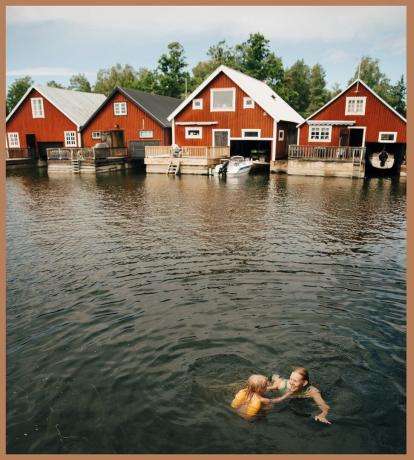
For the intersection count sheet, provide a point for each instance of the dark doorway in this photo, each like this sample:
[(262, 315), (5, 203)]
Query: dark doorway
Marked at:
[(255, 149), (356, 136), (31, 145), (43, 146), (344, 137)]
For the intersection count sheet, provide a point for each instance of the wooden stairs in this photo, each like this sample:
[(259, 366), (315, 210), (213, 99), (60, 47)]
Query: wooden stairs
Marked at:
[(174, 167)]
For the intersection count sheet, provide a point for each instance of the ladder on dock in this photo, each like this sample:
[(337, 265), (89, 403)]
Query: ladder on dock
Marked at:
[(76, 166), (174, 167)]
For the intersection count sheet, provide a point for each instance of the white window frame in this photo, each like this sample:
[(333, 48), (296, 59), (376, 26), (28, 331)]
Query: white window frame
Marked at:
[(246, 99), (355, 98), (220, 130), (96, 135), (319, 128), (68, 136), (14, 140), (120, 109), (387, 132), (222, 109), (199, 107), (190, 128), (259, 133), (38, 111), (281, 135), (145, 136)]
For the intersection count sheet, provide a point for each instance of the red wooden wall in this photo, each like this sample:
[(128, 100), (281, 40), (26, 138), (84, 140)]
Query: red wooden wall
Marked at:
[(131, 124), (48, 129), (255, 118), (378, 117)]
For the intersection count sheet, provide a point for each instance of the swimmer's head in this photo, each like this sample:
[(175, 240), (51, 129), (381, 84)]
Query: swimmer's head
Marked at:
[(257, 383), (298, 379)]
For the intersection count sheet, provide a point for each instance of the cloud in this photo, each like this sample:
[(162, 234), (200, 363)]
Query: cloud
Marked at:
[(45, 72), (283, 23)]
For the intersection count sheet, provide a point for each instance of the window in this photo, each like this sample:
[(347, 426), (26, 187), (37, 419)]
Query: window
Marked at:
[(193, 133), (355, 105), (146, 134), (96, 135), (281, 136), (70, 139), (254, 133), (120, 108), (223, 100), (37, 107), (387, 136), (320, 133), (197, 104), (14, 141), (248, 103)]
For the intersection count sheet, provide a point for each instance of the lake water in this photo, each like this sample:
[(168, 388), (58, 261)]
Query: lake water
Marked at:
[(137, 306)]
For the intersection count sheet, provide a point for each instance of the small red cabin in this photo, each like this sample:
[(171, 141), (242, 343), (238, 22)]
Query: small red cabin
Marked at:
[(232, 109), (130, 118), (49, 117), (356, 118)]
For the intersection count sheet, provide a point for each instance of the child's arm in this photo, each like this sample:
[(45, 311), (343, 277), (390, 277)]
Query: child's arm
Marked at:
[(276, 383), (316, 395), (275, 400)]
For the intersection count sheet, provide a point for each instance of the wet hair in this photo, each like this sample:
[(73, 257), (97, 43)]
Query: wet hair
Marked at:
[(256, 383), (303, 372)]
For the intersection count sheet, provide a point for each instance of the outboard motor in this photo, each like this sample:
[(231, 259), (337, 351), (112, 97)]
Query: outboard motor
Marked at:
[(383, 157)]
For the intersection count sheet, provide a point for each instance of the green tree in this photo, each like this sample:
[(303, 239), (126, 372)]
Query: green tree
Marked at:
[(16, 91), (172, 76), (398, 97), (296, 86), (370, 73), (79, 82), (335, 90), (147, 80), (54, 84), (254, 58), (318, 94), (108, 79)]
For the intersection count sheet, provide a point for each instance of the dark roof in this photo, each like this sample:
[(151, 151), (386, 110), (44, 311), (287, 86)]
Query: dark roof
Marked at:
[(157, 107)]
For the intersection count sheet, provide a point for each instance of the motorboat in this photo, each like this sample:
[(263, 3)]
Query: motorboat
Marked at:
[(382, 160), (239, 166)]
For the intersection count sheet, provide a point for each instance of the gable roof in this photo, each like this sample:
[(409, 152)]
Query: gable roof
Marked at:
[(75, 105), (156, 106), (344, 91), (272, 103)]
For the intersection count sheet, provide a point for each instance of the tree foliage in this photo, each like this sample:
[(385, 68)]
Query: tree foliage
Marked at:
[(296, 86), (16, 91), (54, 84), (172, 76), (79, 82), (318, 94), (117, 75)]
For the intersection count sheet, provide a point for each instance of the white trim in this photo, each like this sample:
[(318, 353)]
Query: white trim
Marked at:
[(196, 123), (96, 137), (388, 132), (298, 137), (146, 131), (198, 136), (65, 134), (259, 133), (41, 112), (251, 138), (364, 128), (120, 105), (332, 122), (355, 98), (281, 135), (200, 107), (17, 138), (246, 99), (228, 137), (344, 91), (173, 131), (274, 142), (319, 127), (79, 139), (223, 90)]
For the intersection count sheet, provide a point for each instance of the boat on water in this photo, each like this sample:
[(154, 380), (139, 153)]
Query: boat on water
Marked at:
[(382, 160), (235, 166)]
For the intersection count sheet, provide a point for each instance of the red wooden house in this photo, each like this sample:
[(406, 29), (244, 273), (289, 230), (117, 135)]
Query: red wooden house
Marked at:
[(357, 118), (232, 109), (130, 118), (48, 117)]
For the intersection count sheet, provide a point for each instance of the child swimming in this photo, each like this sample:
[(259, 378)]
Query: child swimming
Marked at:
[(250, 400)]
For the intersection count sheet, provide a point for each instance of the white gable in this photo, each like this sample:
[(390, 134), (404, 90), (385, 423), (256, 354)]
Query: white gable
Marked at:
[(262, 94)]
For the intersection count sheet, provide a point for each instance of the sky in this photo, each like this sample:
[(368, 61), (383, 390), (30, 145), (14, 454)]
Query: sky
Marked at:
[(56, 42)]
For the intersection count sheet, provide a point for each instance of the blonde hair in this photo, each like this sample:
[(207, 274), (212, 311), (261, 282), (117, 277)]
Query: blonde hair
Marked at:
[(256, 383)]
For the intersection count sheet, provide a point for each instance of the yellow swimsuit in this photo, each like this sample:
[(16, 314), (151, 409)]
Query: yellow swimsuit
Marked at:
[(253, 405)]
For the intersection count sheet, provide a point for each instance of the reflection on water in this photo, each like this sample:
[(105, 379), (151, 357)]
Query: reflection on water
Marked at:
[(137, 305)]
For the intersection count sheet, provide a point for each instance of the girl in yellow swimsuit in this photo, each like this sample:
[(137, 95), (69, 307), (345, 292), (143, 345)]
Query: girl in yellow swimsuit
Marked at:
[(250, 400)]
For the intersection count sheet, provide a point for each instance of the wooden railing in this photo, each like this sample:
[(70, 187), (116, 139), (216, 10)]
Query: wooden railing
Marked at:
[(187, 152), (15, 154), (320, 152), (85, 153)]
